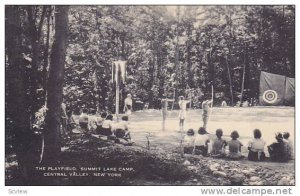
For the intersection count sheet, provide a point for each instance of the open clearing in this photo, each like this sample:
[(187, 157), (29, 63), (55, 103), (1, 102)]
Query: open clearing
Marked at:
[(269, 120)]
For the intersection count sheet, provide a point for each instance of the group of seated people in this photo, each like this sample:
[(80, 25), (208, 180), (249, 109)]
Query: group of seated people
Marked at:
[(279, 151), (104, 125)]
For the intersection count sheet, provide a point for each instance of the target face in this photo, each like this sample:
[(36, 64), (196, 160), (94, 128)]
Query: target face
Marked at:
[(270, 96)]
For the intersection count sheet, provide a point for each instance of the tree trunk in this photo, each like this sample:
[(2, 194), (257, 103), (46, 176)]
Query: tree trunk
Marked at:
[(55, 86), (122, 38), (211, 67), (151, 82), (189, 63), (100, 71), (230, 82), (46, 54), (177, 64), (35, 35), (161, 74), (16, 97)]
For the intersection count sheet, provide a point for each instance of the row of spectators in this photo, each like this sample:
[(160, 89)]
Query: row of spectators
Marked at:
[(103, 124), (279, 151)]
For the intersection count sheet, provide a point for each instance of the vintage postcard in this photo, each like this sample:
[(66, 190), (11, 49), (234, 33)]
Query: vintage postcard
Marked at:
[(198, 95)]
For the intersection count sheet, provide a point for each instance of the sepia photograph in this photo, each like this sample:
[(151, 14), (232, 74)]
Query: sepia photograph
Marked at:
[(149, 95)]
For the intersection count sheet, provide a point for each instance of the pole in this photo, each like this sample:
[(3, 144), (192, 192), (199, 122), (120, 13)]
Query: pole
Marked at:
[(177, 68), (164, 110), (190, 99), (212, 94), (243, 81), (117, 91)]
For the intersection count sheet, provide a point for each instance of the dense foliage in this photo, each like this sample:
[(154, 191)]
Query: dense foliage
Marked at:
[(170, 50)]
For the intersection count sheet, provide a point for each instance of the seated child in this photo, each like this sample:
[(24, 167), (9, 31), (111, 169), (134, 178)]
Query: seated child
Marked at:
[(121, 129), (201, 142), (188, 142), (286, 138), (256, 147), (100, 121), (218, 147), (92, 121), (84, 120), (107, 126), (279, 151), (235, 146)]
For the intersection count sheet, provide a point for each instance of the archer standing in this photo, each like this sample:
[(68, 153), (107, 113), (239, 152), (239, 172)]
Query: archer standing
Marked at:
[(182, 113), (128, 105), (206, 105)]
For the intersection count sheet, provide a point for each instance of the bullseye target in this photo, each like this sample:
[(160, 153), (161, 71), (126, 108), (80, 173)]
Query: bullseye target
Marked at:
[(270, 96)]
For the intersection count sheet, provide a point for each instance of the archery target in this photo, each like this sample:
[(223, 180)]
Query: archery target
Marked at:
[(270, 96)]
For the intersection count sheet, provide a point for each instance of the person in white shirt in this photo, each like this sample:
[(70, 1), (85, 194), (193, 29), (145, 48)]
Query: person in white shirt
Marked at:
[(188, 142), (256, 147), (206, 105), (128, 105), (121, 129), (92, 125), (107, 126), (100, 121), (201, 142), (182, 112)]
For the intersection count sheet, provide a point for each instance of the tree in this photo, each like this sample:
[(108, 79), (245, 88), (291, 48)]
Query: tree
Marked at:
[(35, 29), (16, 99), (55, 86)]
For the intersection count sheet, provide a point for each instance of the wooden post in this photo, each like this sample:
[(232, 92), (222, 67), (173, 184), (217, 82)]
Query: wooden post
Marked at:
[(190, 99), (164, 110), (243, 80), (212, 94)]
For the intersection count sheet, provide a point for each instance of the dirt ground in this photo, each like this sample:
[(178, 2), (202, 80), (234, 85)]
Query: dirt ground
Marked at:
[(269, 120)]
